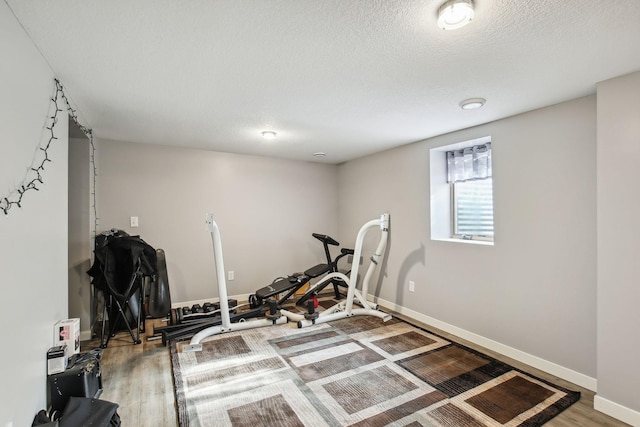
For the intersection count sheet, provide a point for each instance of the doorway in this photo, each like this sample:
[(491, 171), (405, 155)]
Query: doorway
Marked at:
[(80, 229)]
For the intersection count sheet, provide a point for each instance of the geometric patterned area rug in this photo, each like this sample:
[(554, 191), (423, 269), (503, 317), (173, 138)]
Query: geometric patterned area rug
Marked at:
[(354, 372)]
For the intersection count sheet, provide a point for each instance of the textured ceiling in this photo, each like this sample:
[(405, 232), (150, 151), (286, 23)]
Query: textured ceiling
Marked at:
[(345, 77)]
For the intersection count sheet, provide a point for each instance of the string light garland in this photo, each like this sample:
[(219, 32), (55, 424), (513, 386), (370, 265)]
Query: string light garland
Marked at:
[(34, 176), (89, 134)]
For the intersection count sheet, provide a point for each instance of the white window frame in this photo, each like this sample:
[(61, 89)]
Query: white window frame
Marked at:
[(441, 197)]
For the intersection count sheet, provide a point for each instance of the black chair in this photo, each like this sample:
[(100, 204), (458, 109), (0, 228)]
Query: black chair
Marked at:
[(120, 266)]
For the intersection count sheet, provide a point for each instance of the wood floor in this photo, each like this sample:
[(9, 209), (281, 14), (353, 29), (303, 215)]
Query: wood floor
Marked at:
[(138, 378)]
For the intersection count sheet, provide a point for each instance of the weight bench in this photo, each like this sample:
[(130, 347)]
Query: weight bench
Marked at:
[(289, 284), (336, 282)]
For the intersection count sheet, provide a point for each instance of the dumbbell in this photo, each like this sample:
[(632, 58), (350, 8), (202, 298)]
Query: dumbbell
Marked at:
[(254, 301), (230, 302)]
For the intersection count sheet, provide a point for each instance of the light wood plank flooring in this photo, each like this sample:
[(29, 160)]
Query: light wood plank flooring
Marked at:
[(138, 378)]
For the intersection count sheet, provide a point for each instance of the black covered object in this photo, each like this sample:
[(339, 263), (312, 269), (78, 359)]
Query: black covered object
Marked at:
[(81, 411), (42, 420), (117, 256), (121, 263), (159, 296), (82, 378)]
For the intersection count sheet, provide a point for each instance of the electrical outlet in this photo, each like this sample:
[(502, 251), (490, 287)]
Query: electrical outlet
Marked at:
[(134, 221), (231, 275), (412, 286)]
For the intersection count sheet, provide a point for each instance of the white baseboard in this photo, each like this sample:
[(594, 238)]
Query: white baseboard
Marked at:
[(531, 360), (616, 410)]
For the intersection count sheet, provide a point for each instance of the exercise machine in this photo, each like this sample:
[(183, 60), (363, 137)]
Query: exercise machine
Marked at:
[(186, 322), (275, 316), (285, 287), (344, 309)]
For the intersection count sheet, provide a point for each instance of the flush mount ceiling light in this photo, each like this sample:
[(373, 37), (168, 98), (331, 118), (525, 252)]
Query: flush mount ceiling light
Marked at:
[(472, 103), (455, 14), (269, 134), (319, 154)]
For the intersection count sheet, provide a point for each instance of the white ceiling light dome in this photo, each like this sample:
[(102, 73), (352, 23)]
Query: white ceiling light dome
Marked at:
[(472, 103), (455, 14), (269, 134)]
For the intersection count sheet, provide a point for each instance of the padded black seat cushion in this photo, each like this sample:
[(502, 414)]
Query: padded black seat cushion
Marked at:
[(317, 270)]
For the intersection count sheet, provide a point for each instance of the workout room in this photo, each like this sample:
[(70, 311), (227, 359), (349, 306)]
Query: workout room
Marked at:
[(382, 185)]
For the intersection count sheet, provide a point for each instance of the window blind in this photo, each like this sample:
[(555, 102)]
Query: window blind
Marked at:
[(473, 206)]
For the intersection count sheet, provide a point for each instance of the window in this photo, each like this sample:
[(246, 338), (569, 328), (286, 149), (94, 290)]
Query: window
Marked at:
[(462, 192), (469, 175), (472, 209)]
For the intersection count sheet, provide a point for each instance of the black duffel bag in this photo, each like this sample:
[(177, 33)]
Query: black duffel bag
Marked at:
[(81, 412), (85, 411)]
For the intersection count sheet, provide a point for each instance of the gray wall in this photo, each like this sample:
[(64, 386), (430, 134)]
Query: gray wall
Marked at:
[(266, 210), (33, 239), (618, 235), (534, 290)]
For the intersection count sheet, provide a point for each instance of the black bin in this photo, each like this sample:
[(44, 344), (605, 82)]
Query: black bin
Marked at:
[(82, 378)]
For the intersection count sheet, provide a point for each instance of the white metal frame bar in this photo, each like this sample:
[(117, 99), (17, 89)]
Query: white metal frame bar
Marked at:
[(345, 309), (226, 325)]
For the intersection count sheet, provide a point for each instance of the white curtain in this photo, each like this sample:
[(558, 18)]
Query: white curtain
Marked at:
[(469, 163)]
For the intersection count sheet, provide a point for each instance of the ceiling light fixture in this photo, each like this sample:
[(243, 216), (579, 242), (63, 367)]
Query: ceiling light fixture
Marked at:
[(455, 14), (472, 103), (319, 154), (269, 134)]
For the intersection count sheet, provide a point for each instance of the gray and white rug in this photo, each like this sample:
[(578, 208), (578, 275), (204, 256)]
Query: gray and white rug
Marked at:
[(358, 371)]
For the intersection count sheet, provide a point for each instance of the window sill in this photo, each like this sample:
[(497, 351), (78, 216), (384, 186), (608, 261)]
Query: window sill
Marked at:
[(472, 242)]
